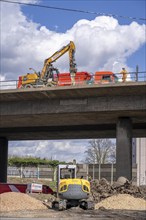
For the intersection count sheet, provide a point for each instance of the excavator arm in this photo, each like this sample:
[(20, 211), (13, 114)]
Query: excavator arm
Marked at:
[(48, 62)]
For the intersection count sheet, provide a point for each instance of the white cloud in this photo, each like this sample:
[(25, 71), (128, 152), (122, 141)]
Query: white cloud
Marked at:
[(99, 43), (65, 150)]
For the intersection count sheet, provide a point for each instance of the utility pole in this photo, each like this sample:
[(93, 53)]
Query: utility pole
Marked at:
[(136, 74)]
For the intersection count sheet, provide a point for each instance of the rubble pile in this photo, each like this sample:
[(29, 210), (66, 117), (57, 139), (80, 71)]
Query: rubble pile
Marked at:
[(101, 189)]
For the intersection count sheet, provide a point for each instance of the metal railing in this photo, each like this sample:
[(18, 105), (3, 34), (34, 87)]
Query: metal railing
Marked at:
[(92, 80)]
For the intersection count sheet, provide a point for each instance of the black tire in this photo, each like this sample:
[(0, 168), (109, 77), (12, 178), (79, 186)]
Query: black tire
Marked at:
[(28, 86)]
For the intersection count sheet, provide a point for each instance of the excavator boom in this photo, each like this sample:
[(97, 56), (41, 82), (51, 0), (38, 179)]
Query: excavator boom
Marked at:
[(48, 62)]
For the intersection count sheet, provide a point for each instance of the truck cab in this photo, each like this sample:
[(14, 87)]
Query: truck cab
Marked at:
[(104, 77)]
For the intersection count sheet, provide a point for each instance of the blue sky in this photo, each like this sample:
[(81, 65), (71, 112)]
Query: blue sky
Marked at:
[(60, 21), (29, 35), (65, 19)]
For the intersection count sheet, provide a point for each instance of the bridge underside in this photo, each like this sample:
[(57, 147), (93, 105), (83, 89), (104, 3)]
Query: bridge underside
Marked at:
[(123, 131), (68, 132), (74, 125)]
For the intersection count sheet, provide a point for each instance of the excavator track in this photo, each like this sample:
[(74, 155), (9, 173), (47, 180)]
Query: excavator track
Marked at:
[(64, 204), (59, 205), (87, 205)]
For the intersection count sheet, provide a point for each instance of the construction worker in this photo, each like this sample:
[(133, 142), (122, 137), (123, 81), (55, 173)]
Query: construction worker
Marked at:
[(124, 72)]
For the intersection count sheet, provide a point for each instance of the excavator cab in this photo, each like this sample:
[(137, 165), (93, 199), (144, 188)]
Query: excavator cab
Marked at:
[(51, 76), (66, 172)]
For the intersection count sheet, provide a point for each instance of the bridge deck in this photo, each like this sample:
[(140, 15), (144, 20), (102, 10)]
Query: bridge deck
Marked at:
[(89, 111)]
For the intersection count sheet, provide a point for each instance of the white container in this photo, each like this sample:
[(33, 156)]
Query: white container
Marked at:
[(34, 188)]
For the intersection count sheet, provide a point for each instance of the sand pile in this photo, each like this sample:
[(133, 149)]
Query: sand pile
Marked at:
[(122, 201), (14, 201)]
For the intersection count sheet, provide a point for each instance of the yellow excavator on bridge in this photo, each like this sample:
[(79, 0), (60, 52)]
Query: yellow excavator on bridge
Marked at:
[(46, 77)]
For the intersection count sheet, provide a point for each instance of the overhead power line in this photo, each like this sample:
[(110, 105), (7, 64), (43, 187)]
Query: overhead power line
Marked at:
[(74, 10)]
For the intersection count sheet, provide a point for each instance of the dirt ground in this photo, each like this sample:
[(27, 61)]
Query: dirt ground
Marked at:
[(77, 213)]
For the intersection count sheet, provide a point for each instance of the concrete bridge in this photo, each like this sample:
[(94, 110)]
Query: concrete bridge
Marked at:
[(88, 111)]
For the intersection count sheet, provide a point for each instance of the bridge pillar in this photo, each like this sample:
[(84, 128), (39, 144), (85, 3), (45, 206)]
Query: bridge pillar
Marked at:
[(124, 148), (3, 159)]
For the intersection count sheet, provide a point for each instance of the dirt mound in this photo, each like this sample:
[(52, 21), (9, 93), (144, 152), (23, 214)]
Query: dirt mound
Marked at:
[(122, 201), (14, 201), (102, 189)]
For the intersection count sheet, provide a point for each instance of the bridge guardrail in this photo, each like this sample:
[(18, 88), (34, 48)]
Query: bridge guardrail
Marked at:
[(117, 78)]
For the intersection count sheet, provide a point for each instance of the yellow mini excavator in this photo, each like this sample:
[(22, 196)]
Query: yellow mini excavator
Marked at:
[(45, 77), (71, 191)]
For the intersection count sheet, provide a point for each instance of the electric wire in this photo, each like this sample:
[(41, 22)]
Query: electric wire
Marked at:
[(74, 10)]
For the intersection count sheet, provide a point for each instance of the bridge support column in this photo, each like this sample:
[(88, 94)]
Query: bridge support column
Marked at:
[(3, 159), (124, 148)]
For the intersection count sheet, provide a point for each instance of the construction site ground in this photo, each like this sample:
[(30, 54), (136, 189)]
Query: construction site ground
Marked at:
[(78, 214), (129, 202)]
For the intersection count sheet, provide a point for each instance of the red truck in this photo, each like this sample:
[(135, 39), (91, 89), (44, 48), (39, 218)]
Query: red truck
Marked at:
[(104, 77), (64, 79)]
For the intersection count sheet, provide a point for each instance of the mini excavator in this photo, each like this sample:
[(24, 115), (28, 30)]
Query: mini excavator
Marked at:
[(71, 191)]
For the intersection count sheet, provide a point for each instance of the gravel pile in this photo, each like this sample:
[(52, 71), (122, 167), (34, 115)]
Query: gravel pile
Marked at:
[(122, 201), (14, 201)]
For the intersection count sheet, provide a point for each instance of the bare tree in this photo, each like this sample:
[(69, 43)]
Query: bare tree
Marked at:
[(101, 151)]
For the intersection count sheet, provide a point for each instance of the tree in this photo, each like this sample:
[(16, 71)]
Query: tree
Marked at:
[(101, 151), (32, 161)]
